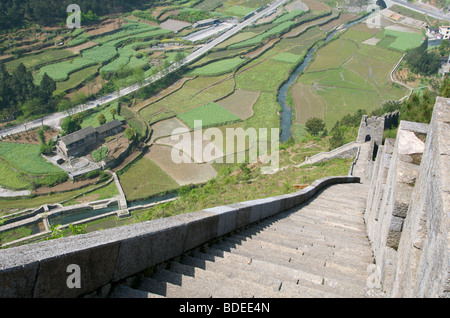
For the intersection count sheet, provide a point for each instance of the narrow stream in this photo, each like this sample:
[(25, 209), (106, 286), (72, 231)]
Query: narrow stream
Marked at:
[(286, 115)]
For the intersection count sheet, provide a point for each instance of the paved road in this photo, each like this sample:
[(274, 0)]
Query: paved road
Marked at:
[(54, 119), (432, 12)]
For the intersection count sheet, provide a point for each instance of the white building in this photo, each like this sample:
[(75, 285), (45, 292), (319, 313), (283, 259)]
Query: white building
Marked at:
[(445, 31)]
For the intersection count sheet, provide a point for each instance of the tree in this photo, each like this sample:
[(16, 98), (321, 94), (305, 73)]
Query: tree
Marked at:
[(22, 83), (179, 57), (101, 119), (69, 126), (315, 125), (32, 107), (7, 95), (337, 137), (444, 48), (65, 105), (113, 112), (381, 4), (421, 61), (78, 119), (46, 89), (129, 133)]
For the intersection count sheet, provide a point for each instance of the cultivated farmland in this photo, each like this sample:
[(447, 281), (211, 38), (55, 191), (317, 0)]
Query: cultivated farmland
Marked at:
[(219, 67), (345, 76), (210, 114), (137, 184)]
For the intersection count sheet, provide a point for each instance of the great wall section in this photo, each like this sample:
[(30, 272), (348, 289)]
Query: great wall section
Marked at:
[(381, 231)]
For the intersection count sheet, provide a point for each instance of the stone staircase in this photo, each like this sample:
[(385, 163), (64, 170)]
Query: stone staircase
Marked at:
[(318, 249)]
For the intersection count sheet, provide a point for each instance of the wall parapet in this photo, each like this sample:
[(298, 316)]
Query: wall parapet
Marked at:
[(40, 269), (408, 205)]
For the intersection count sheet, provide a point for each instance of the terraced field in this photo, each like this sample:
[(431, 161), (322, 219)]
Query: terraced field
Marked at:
[(345, 76)]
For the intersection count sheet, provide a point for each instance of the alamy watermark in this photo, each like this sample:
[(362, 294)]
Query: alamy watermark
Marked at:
[(74, 279), (212, 145), (374, 19), (74, 19)]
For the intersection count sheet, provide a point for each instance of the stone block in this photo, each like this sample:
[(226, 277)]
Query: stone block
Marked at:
[(201, 227), (12, 282), (228, 217), (243, 214), (149, 243)]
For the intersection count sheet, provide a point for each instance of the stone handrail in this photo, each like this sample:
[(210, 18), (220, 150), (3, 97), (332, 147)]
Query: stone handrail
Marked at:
[(41, 269), (350, 145)]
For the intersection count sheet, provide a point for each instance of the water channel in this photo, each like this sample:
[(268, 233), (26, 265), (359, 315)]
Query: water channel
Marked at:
[(286, 115)]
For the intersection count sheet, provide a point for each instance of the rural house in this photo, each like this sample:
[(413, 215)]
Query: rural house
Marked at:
[(444, 30), (83, 140)]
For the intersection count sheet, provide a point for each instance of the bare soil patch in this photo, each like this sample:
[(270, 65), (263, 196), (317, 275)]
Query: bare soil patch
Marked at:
[(182, 173), (65, 186), (90, 88), (262, 49), (343, 18), (315, 5), (77, 49), (107, 26), (31, 137), (296, 5), (240, 103), (166, 127), (371, 41)]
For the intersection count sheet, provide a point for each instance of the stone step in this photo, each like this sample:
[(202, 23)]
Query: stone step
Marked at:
[(246, 287), (181, 286), (265, 273), (122, 291), (322, 226), (305, 237), (332, 272), (297, 290), (278, 256), (232, 268), (304, 253), (311, 246), (343, 214)]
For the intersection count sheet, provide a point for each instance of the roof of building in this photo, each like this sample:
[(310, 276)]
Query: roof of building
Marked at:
[(108, 126), (78, 135)]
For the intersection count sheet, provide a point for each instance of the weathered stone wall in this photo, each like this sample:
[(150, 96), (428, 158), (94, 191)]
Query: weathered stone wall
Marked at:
[(371, 129), (422, 267), (407, 207)]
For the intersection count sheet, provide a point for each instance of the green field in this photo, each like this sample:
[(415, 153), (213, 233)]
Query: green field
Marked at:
[(404, 41), (10, 178), (33, 60), (106, 52), (26, 157), (193, 94), (287, 57), (277, 29), (91, 120), (211, 115), (77, 78), (144, 179), (347, 75), (288, 16), (219, 67)]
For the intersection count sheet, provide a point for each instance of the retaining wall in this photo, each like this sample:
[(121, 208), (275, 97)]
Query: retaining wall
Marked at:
[(40, 270)]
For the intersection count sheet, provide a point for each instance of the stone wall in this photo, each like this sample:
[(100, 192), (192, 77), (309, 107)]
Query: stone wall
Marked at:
[(408, 205), (41, 269)]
